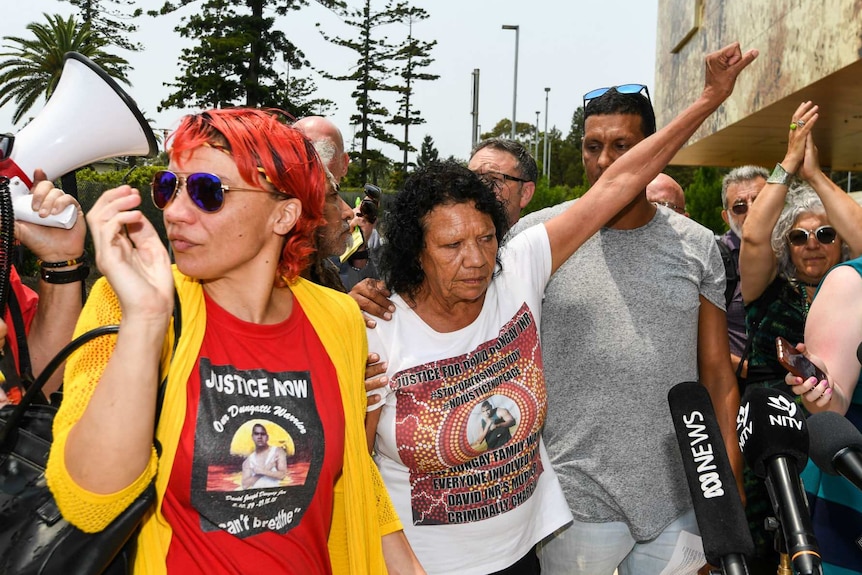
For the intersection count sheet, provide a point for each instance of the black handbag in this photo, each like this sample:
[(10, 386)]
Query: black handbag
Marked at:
[(34, 537)]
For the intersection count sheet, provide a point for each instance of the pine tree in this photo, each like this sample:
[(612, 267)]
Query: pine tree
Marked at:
[(371, 74), (111, 20), (234, 61), (413, 54), (428, 154)]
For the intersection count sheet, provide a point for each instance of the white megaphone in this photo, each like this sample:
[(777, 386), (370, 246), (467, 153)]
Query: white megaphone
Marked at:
[(88, 118)]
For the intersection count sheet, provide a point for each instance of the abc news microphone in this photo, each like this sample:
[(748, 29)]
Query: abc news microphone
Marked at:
[(717, 505), (836, 445), (773, 438)]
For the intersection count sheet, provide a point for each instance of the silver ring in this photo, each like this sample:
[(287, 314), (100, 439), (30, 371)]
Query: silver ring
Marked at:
[(800, 123)]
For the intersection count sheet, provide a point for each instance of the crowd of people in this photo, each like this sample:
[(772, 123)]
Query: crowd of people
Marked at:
[(441, 386)]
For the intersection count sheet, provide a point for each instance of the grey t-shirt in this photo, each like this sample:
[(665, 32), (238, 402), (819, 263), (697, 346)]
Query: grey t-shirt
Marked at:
[(620, 329)]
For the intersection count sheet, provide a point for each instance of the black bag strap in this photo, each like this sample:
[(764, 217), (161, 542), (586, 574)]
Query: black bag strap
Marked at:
[(731, 272), (35, 389)]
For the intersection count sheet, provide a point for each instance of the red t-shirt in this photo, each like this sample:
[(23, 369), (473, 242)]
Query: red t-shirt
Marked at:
[(247, 376)]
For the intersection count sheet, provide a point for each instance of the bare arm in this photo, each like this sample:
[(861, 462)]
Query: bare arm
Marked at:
[(59, 304), (833, 331), (110, 446), (628, 176), (399, 556), (757, 263), (719, 380)]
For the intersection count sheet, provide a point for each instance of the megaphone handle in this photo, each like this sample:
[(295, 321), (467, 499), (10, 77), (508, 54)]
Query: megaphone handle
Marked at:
[(23, 212)]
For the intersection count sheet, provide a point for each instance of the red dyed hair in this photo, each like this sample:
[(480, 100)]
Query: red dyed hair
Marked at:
[(258, 138)]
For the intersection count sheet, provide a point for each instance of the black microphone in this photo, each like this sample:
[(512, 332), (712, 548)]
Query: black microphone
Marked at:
[(717, 505), (836, 445), (774, 442)]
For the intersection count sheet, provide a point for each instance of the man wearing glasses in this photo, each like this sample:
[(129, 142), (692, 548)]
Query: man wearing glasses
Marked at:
[(510, 169), (637, 309), (738, 189)]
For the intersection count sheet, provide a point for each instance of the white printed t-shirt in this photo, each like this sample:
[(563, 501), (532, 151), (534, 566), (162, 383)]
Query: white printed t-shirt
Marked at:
[(467, 509)]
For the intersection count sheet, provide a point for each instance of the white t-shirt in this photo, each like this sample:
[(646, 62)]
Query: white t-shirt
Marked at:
[(468, 508)]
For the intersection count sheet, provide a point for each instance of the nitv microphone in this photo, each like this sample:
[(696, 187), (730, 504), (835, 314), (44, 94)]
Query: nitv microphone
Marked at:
[(717, 505), (774, 442), (836, 445)]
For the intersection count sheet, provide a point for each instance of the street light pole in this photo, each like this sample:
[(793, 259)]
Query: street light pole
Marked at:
[(536, 141), (546, 160), (515, 87)]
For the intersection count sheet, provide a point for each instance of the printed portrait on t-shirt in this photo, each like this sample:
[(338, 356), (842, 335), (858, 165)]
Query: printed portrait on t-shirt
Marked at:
[(258, 449), (468, 427), (492, 423)]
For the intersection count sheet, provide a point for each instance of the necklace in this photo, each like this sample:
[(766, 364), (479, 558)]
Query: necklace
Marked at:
[(803, 291)]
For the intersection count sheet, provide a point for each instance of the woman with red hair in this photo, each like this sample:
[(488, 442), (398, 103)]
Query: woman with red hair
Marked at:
[(259, 347)]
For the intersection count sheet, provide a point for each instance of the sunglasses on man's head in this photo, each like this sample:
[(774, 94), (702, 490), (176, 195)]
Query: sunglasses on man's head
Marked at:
[(205, 190), (622, 89), (823, 234)]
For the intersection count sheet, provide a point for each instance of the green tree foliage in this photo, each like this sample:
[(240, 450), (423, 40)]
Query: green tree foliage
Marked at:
[(568, 156), (546, 196), (111, 20), (428, 154), (31, 67), (378, 171), (411, 57), (524, 131), (235, 58), (371, 73), (703, 198)]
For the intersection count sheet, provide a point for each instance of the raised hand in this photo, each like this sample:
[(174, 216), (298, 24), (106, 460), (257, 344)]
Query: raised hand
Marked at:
[(811, 164), (801, 123), (722, 69), (47, 243), (131, 255)]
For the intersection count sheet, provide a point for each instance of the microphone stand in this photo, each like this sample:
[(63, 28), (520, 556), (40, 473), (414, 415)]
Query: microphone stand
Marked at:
[(784, 565)]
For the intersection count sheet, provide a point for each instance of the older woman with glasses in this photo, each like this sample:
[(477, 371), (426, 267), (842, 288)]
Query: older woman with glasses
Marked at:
[(793, 234), (259, 348)]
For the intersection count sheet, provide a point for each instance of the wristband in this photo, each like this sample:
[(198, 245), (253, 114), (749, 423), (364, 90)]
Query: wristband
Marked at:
[(66, 276), (780, 176), (64, 264)]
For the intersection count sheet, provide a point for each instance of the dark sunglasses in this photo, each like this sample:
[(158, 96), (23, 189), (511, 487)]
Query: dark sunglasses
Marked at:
[(205, 190), (741, 207), (824, 235), (622, 89)]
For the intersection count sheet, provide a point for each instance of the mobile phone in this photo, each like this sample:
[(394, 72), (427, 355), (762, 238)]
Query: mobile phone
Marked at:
[(796, 363)]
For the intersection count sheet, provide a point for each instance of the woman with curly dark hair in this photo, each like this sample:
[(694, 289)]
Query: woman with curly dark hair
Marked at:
[(466, 329)]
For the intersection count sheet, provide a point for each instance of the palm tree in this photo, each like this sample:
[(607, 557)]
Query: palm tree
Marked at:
[(34, 65)]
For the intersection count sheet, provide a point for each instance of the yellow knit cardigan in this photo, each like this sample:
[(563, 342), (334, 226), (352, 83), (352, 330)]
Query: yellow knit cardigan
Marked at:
[(362, 511)]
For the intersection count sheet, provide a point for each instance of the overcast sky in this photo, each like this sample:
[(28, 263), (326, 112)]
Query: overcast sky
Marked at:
[(570, 46)]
